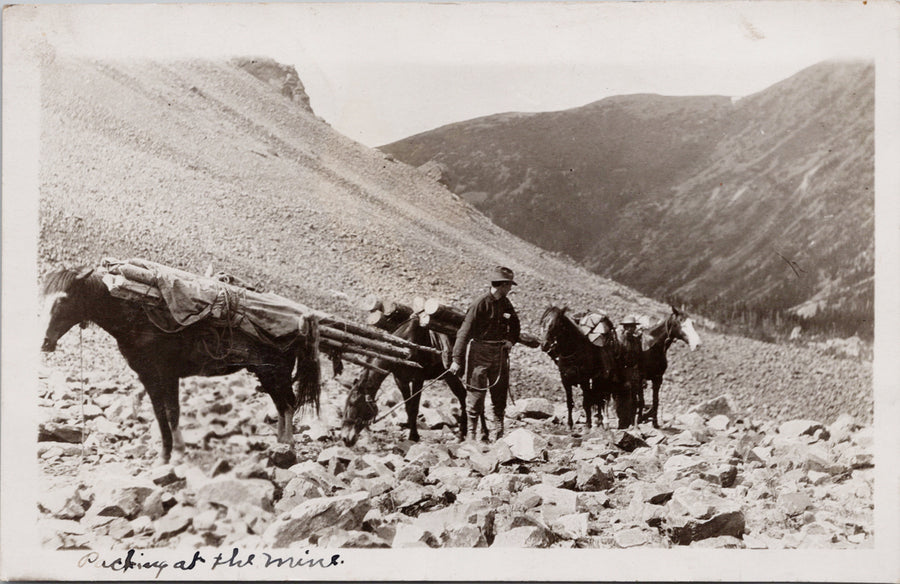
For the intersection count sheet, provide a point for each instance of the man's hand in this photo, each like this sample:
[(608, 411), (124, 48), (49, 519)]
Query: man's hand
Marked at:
[(507, 345), (454, 368)]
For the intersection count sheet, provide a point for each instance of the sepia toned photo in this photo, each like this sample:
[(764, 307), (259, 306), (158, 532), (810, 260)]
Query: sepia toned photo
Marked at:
[(475, 291)]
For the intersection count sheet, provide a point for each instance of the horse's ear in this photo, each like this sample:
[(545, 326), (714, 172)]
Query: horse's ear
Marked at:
[(84, 273), (675, 311)]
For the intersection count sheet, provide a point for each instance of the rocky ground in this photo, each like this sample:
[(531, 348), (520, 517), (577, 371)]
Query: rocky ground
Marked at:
[(709, 477)]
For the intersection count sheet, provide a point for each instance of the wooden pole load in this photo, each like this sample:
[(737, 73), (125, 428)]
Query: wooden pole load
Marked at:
[(342, 347), (427, 321), (447, 319)]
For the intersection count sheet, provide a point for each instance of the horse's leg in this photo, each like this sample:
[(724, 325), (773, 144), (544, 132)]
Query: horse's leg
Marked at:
[(276, 381), (412, 392), (639, 402), (173, 413), (654, 408), (569, 403), (156, 392), (459, 390), (586, 403)]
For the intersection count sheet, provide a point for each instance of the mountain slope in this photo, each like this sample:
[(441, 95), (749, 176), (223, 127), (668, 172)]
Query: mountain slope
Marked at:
[(695, 197), (195, 163)]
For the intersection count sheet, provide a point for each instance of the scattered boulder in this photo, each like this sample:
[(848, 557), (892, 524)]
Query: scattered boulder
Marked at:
[(628, 442), (525, 445), (797, 428), (631, 537), (535, 408), (282, 456), (531, 536), (342, 511), (593, 477), (685, 531), (53, 432), (718, 406)]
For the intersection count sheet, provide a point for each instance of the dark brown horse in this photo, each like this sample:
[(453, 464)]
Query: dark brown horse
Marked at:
[(580, 363), (360, 408), (656, 341), (161, 358)]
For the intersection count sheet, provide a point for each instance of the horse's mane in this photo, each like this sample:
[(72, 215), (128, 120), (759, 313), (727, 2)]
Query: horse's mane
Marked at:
[(62, 280), (552, 308)]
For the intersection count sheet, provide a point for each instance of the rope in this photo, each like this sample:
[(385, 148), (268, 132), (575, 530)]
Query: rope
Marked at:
[(427, 385), (81, 376), (499, 375)]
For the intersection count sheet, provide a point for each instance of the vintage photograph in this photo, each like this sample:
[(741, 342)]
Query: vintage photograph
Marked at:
[(472, 291)]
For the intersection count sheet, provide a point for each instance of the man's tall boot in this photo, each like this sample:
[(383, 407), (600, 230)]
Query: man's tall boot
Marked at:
[(498, 425), (472, 433)]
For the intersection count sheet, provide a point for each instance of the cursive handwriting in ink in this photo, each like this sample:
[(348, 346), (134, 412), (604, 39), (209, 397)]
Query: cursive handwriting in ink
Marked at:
[(301, 561), (123, 564), (233, 561)]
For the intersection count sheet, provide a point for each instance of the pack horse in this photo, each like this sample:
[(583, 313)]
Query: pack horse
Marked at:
[(161, 352), (656, 342), (360, 408), (581, 363)]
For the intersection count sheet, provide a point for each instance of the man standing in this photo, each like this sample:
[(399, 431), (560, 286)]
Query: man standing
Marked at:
[(490, 329), (630, 356)]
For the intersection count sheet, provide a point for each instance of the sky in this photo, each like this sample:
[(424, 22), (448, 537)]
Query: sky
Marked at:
[(379, 72)]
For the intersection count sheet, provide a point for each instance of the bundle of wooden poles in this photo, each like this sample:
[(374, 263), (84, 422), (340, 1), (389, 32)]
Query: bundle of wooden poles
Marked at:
[(433, 314), (346, 340)]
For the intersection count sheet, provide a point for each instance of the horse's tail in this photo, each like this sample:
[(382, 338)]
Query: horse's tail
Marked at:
[(308, 374)]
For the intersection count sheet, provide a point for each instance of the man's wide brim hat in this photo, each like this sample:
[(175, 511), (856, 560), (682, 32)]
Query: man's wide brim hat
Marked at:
[(501, 274)]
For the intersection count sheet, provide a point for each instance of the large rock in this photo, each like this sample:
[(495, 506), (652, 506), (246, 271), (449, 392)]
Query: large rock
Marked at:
[(413, 536), (307, 518), (629, 442), (464, 536), (698, 504), (282, 456), (319, 474), (68, 502), (231, 491), (536, 408), (176, 521), (564, 500), (721, 405), (298, 490), (593, 477), (571, 526), (530, 536), (335, 459), (631, 537), (798, 428), (525, 445), (684, 531), (681, 465), (53, 432), (120, 497)]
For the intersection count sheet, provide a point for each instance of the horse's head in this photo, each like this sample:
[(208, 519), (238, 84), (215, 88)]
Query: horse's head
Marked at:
[(680, 326), (64, 305), (550, 326), (360, 408)]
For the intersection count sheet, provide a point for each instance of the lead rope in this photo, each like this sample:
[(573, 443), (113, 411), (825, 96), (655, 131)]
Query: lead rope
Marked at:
[(81, 376), (424, 387)]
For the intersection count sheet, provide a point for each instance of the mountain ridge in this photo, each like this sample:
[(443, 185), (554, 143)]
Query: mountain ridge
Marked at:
[(656, 191)]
